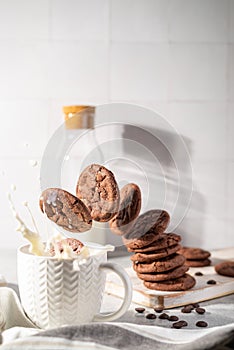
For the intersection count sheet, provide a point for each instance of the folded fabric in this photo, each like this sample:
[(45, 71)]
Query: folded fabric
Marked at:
[(134, 332), (122, 336)]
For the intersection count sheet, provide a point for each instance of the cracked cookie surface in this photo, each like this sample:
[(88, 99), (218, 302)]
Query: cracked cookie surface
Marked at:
[(147, 228), (65, 210), (98, 189), (129, 209)]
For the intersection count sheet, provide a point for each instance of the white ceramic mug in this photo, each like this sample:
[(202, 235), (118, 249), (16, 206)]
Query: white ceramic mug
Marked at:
[(55, 292)]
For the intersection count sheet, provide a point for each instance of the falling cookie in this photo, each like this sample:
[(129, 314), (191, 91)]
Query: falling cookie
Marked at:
[(147, 228), (98, 189), (129, 209), (65, 210)]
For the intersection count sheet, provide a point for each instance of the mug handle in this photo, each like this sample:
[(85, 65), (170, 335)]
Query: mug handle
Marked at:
[(127, 294)]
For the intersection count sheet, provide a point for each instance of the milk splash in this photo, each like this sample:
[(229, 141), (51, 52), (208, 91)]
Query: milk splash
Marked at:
[(39, 248), (36, 245)]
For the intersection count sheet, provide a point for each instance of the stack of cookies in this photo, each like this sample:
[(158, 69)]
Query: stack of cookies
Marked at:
[(195, 257), (156, 259)]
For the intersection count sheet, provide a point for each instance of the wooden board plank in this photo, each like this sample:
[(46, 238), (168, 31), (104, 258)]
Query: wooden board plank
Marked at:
[(201, 292)]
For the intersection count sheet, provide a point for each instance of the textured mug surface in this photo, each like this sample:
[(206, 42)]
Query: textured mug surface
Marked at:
[(55, 292)]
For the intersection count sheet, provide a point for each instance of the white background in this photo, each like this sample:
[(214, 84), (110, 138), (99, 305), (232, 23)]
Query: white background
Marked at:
[(174, 56)]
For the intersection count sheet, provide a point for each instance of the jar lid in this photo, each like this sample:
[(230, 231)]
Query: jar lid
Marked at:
[(77, 118), (75, 108)]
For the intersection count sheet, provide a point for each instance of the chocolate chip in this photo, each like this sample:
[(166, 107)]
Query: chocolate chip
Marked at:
[(179, 324), (211, 282), (173, 318), (195, 305), (200, 310), (158, 309), (201, 324), (140, 310), (151, 316), (164, 316), (198, 273), (187, 309)]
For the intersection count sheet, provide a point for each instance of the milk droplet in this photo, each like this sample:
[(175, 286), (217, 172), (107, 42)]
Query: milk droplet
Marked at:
[(33, 163), (66, 157), (13, 187), (26, 145)]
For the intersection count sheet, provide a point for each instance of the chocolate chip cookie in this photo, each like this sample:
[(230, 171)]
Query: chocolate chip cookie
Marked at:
[(169, 275), (182, 283), (198, 263), (161, 265), (163, 241), (75, 244), (98, 189), (65, 210), (194, 253), (226, 268), (129, 209), (147, 229), (152, 256)]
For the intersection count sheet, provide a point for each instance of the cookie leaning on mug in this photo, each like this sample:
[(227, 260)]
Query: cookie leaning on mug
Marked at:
[(129, 209), (65, 210), (99, 191)]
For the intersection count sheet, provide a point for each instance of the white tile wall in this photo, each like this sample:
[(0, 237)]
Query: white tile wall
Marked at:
[(79, 20), (23, 69), (139, 20), (230, 189), (230, 132), (231, 17), (198, 21), (78, 70), (24, 127), (173, 56), (24, 19), (208, 129), (139, 71), (198, 72), (231, 73)]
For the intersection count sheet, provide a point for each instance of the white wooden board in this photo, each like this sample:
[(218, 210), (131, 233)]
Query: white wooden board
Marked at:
[(202, 291)]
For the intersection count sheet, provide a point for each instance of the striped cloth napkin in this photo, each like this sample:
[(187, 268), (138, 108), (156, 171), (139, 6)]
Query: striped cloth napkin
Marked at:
[(18, 332)]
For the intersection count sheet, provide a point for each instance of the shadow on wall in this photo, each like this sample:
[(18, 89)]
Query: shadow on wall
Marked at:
[(189, 224)]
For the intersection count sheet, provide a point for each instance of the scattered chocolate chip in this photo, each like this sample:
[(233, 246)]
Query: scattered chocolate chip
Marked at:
[(200, 310), (179, 324), (173, 318), (195, 305), (211, 282), (158, 310), (140, 310), (187, 309), (164, 316), (151, 316), (201, 324), (198, 273)]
